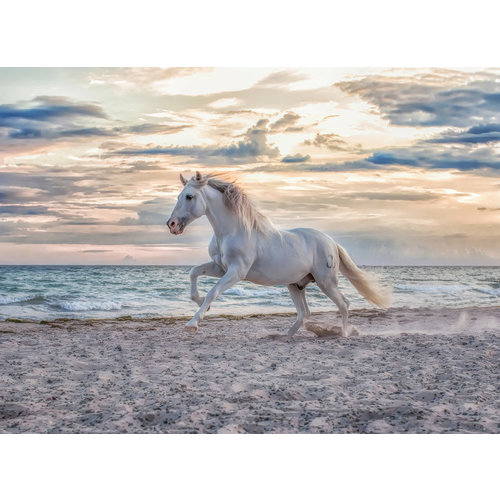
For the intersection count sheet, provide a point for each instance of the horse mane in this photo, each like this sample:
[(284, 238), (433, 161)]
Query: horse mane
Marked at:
[(236, 200)]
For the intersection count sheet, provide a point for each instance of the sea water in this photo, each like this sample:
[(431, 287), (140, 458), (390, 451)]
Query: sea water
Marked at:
[(47, 292)]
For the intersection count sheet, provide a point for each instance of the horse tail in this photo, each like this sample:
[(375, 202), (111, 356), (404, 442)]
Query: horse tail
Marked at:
[(366, 284)]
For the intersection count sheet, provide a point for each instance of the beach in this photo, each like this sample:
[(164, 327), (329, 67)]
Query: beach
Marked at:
[(409, 371)]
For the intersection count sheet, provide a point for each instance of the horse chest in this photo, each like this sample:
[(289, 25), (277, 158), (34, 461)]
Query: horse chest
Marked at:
[(216, 253)]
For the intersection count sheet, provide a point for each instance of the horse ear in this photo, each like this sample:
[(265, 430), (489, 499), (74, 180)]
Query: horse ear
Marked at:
[(184, 181), (198, 176)]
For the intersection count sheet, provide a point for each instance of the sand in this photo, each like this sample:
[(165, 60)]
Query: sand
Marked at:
[(408, 371)]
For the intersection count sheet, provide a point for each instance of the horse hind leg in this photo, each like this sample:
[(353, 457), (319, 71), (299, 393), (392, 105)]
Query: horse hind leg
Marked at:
[(329, 286), (299, 300), (307, 312)]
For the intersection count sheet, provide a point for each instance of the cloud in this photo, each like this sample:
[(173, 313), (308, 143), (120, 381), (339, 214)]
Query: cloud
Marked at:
[(420, 155), (143, 166), (138, 237), (47, 109), (348, 166), (140, 78), (333, 142), (297, 158), (396, 196), (453, 158), (28, 187), (448, 99), (47, 118), (21, 209), (150, 213), (481, 134), (14, 193), (253, 147), (281, 78), (272, 97), (393, 158), (54, 131), (286, 123)]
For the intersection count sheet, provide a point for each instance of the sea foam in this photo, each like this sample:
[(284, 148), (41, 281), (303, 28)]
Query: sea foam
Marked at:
[(83, 305), (249, 292), (19, 299)]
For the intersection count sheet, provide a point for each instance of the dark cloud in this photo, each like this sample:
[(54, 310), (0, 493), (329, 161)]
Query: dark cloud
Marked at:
[(29, 187), (284, 167), (25, 133), (481, 134), (433, 158), (421, 155), (47, 109), (54, 133), (22, 209), (253, 146), (14, 193), (485, 129), (389, 158), (452, 100), (297, 158), (46, 119)]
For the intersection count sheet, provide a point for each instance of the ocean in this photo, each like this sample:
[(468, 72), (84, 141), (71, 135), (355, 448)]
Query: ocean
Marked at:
[(48, 292)]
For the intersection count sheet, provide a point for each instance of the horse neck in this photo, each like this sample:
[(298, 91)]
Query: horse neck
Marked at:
[(221, 218)]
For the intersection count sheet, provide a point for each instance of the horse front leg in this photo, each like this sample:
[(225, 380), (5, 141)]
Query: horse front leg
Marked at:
[(230, 278), (206, 269)]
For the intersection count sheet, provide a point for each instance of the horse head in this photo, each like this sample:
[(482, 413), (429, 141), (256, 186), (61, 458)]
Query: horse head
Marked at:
[(190, 204)]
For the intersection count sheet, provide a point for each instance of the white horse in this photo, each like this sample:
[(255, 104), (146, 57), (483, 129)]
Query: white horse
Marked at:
[(246, 246)]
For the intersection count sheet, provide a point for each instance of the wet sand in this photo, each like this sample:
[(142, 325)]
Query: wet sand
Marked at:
[(409, 371)]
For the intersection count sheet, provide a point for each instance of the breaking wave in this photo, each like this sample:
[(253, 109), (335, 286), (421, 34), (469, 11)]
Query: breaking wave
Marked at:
[(490, 291), (248, 292), (447, 289), (83, 305), (19, 299)]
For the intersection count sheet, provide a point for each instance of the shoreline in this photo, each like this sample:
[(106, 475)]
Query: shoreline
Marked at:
[(409, 371), (208, 317)]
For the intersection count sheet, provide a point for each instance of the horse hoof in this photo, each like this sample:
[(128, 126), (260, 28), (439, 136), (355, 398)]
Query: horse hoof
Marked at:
[(191, 329)]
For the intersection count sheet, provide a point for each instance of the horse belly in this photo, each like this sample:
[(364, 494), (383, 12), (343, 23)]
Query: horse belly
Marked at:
[(280, 268), (270, 279)]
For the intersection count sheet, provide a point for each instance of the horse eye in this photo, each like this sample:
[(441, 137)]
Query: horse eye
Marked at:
[(189, 197)]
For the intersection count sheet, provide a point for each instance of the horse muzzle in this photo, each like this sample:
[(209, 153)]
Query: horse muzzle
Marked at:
[(176, 226)]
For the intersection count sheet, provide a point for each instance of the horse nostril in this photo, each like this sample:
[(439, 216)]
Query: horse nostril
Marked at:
[(172, 224)]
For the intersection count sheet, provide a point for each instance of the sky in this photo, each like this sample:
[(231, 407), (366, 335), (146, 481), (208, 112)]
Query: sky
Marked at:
[(400, 166)]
